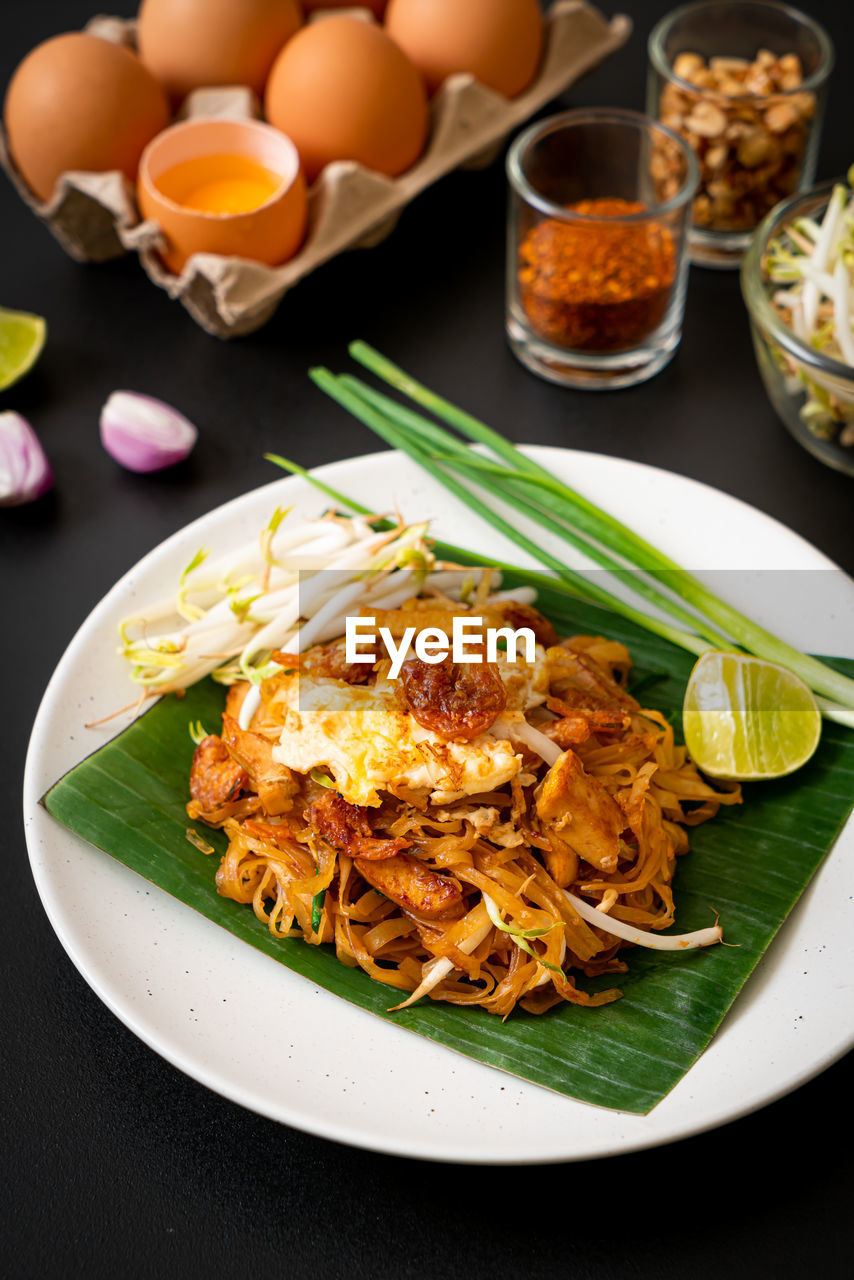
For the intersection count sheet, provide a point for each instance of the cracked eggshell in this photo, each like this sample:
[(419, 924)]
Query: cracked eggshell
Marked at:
[(271, 233)]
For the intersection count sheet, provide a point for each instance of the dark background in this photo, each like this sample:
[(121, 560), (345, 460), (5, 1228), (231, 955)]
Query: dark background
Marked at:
[(113, 1162)]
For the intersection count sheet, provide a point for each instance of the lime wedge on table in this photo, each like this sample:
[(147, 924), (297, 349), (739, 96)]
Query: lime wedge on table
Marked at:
[(21, 340), (748, 719)]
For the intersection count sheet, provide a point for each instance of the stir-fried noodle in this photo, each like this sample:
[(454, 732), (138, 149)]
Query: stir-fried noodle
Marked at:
[(484, 834)]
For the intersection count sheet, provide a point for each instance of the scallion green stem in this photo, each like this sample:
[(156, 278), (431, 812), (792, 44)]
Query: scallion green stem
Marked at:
[(452, 451), (619, 538), (296, 470), (833, 711), (399, 439), (830, 710), (461, 554)]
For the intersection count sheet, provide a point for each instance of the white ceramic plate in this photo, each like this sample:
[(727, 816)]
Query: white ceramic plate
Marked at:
[(269, 1040)]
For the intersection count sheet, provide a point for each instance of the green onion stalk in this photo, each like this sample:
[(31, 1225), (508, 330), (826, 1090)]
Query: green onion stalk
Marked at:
[(450, 451), (402, 440), (564, 512)]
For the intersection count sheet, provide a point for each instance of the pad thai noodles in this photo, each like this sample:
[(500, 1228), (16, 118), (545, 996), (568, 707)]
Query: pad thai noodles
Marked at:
[(485, 834)]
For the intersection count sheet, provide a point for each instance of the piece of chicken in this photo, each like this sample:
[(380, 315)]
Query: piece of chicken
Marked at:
[(578, 815), (216, 779), (416, 888), (347, 828), (273, 782)]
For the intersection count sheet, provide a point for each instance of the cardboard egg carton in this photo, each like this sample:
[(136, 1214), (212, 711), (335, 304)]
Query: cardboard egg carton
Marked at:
[(95, 218)]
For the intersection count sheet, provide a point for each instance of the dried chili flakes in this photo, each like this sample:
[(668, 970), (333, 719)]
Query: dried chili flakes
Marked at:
[(597, 285)]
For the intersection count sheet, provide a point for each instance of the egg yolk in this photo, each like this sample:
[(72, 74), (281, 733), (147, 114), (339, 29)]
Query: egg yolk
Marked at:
[(219, 184)]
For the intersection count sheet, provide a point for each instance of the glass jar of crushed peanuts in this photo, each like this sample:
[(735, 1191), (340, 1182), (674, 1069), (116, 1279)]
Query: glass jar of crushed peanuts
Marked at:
[(596, 268), (744, 84)]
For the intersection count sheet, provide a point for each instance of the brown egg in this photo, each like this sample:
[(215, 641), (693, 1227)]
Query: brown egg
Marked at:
[(376, 6), (342, 90), (188, 44), (497, 41), (79, 102)]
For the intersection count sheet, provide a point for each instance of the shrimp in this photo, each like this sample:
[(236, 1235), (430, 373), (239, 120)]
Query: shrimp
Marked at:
[(455, 700), (577, 722)]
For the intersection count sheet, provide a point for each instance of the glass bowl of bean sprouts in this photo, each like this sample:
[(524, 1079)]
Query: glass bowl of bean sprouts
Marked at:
[(797, 279)]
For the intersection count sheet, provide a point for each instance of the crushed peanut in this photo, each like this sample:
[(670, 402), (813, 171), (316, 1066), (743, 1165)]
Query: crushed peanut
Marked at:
[(748, 129)]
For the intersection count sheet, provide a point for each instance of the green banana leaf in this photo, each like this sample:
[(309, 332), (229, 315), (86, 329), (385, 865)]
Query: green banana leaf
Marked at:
[(750, 864)]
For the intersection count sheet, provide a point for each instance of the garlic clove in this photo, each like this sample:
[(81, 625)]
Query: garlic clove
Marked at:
[(144, 434), (25, 472)]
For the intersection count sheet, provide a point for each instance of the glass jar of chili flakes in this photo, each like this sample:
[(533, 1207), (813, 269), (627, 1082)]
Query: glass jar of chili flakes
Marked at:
[(597, 268)]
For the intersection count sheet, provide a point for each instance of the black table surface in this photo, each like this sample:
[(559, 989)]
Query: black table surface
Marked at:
[(112, 1161)]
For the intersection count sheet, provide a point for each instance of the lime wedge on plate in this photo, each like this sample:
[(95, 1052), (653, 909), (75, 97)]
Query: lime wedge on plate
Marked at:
[(21, 340), (748, 719)]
